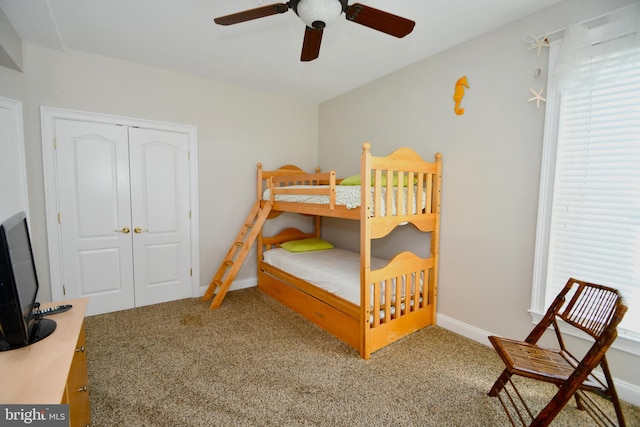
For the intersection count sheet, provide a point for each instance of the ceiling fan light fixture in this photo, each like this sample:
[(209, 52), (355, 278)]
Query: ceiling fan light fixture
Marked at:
[(317, 14), (311, 11)]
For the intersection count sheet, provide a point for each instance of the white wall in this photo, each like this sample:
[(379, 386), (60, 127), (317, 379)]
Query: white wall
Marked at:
[(10, 45), (237, 128), (491, 161), (13, 175)]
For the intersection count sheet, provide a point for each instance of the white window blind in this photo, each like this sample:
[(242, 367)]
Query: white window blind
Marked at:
[(594, 231)]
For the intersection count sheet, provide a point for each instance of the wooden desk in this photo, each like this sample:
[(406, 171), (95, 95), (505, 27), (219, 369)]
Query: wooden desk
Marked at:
[(53, 370)]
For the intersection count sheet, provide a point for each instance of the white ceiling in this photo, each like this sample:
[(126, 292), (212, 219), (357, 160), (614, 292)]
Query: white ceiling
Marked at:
[(263, 54)]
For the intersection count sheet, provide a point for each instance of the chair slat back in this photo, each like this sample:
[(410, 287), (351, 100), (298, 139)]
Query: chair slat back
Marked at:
[(593, 308)]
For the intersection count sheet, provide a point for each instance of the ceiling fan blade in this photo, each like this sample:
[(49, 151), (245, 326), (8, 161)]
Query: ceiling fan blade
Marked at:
[(379, 20), (248, 15), (311, 44)]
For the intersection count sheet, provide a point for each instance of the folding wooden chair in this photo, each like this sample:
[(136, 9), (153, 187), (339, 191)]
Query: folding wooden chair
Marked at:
[(594, 309)]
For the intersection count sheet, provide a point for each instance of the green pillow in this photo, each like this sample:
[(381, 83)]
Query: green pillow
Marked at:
[(355, 180), (306, 245), (351, 180)]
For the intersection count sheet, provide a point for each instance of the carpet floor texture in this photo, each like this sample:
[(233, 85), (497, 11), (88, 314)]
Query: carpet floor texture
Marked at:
[(254, 362)]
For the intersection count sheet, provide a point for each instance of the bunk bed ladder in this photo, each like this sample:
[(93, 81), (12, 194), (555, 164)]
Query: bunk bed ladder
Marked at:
[(236, 255)]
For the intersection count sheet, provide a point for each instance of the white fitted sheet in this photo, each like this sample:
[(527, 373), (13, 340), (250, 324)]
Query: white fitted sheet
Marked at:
[(346, 195), (335, 270)]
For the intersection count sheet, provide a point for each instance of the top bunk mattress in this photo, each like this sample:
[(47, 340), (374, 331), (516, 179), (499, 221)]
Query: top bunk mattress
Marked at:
[(335, 270), (348, 196)]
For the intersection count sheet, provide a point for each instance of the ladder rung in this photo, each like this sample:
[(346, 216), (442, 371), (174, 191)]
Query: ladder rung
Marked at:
[(255, 220)]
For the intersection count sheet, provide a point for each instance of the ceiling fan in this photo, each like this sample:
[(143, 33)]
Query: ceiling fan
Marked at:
[(316, 14)]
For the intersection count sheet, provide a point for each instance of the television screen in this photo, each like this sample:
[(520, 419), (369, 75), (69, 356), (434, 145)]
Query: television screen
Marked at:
[(18, 286)]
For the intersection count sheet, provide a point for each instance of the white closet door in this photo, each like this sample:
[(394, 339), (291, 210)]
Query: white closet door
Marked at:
[(160, 215), (95, 214), (122, 209)]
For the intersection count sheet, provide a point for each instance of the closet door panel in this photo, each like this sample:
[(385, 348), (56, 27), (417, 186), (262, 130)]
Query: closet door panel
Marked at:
[(95, 214), (160, 215)]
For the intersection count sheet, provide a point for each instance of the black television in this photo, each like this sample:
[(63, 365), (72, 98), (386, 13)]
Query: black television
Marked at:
[(20, 322)]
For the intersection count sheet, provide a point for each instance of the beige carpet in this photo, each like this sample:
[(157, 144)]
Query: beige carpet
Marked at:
[(254, 362)]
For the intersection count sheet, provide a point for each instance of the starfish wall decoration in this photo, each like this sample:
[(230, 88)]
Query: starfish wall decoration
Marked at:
[(537, 42), (537, 96)]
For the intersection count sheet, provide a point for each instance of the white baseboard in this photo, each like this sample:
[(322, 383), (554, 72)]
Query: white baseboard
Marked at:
[(243, 284), (236, 285), (626, 391), (464, 329)]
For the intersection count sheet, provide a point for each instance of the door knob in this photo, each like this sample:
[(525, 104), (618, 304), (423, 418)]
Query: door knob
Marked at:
[(124, 230), (139, 230)]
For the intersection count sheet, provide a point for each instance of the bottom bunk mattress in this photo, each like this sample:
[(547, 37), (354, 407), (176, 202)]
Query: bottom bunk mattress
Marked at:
[(336, 270)]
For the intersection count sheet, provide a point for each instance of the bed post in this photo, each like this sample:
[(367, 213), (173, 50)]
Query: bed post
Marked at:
[(259, 189), (316, 225), (365, 252), (259, 186), (435, 238)]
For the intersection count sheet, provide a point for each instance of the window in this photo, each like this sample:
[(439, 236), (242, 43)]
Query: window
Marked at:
[(589, 210)]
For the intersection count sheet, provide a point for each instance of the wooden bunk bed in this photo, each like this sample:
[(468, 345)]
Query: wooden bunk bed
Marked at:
[(379, 317)]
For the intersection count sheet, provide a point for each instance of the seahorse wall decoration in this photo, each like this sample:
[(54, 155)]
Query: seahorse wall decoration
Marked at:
[(459, 93)]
